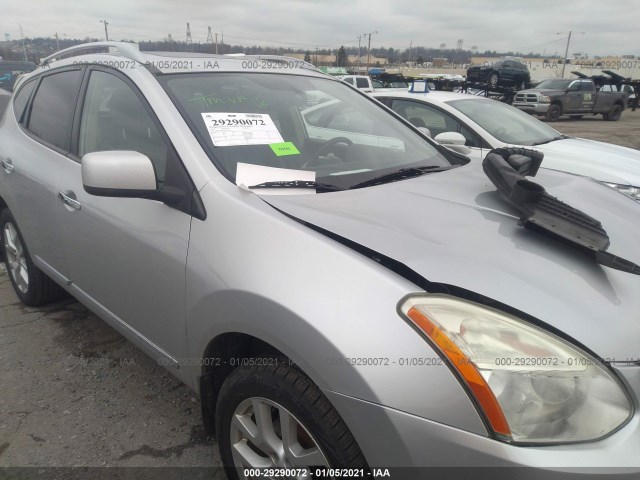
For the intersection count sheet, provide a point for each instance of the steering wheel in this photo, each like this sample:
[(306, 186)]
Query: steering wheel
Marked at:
[(325, 148)]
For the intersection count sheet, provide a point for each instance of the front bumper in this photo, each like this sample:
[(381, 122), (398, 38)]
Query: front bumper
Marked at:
[(532, 107), (390, 439)]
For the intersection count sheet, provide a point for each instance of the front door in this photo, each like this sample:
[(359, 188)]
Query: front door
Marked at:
[(126, 256)]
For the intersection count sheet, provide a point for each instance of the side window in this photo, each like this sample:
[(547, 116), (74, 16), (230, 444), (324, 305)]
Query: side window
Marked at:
[(114, 118), (587, 87), (21, 98), (362, 83), (53, 107), (349, 80), (437, 121), (574, 86)]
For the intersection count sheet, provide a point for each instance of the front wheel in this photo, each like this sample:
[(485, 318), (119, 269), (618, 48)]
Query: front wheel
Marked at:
[(273, 416), (31, 285), (554, 112)]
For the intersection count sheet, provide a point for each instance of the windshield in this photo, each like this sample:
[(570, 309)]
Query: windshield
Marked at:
[(504, 122), (553, 85), (317, 127)]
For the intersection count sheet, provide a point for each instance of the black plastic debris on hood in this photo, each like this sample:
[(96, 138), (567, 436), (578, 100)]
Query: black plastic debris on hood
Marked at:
[(507, 168)]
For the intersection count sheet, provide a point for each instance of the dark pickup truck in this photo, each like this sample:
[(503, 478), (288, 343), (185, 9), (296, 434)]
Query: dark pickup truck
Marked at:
[(553, 98)]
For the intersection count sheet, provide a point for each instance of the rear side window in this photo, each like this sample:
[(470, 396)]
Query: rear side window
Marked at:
[(21, 99), (349, 80), (53, 107), (362, 83)]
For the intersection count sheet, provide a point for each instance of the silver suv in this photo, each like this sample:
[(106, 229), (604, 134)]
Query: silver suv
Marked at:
[(341, 291)]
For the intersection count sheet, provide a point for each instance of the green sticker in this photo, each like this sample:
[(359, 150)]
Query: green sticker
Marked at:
[(284, 148)]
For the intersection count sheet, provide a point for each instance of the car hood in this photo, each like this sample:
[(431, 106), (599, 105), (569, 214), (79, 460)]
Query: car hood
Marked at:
[(454, 228), (602, 161)]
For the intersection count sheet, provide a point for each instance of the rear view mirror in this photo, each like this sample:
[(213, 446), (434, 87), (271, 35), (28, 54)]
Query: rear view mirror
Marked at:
[(118, 173), (450, 138)]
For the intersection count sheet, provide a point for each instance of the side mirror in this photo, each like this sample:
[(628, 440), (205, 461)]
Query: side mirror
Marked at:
[(118, 173), (450, 138)]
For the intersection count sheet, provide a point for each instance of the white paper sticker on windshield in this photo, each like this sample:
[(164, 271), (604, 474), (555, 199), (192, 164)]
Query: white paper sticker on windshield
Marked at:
[(228, 129)]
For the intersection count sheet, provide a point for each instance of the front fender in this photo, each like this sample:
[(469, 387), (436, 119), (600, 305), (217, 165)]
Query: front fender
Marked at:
[(254, 271)]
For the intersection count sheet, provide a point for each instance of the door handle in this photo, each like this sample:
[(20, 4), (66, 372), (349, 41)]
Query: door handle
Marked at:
[(7, 164), (68, 198)]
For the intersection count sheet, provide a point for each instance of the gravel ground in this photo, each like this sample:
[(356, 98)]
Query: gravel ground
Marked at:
[(73, 392), (625, 132)]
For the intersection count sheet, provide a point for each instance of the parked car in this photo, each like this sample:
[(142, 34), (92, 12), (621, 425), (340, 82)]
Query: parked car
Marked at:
[(10, 70), (4, 100), (361, 82), (504, 73), (483, 124), (350, 302), (557, 97)]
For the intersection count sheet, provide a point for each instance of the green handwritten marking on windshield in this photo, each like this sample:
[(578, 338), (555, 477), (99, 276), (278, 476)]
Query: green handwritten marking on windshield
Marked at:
[(284, 148), (207, 100)]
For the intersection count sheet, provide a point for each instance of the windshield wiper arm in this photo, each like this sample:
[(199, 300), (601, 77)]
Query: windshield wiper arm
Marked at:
[(402, 174), (542, 142), (325, 187)]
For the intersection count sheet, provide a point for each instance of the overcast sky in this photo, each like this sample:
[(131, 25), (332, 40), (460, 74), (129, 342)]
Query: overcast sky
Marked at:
[(611, 27)]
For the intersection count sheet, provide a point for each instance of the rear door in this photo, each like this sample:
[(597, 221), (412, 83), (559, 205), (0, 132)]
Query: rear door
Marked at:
[(34, 156), (127, 256)]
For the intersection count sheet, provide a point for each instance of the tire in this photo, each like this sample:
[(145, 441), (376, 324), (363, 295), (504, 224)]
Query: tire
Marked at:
[(493, 79), (554, 112), (31, 285), (614, 114), (277, 389), (576, 117)]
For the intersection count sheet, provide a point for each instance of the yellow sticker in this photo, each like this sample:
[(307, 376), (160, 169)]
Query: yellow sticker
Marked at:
[(284, 148)]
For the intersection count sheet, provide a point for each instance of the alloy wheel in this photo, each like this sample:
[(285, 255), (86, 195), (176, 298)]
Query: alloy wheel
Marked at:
[(16, 257), (264, 434)]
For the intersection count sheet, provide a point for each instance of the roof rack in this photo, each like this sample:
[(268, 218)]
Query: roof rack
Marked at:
[(127, 50)]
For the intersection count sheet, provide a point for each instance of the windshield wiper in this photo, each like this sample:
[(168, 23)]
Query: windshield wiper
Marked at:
[(542, 142), (325, 187), (402, 174), (507, 168)]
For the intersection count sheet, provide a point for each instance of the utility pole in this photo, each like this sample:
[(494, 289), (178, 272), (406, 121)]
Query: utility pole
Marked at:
[(369, 51), (189, 39), (57, 42), (222, 40), (216, 43), (106, 32), (566, 52), (359, 52), (410, 48), (209, 36), (24, 49)]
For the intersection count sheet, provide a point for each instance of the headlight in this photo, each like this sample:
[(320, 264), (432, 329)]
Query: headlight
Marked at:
[(628, 190), (530, 385), (544, 99)]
